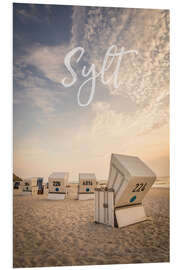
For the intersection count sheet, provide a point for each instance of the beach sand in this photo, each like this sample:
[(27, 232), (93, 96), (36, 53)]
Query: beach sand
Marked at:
[(59, 233)]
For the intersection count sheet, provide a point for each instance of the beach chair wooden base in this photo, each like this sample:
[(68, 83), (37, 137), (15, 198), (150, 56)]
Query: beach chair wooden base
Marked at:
[(26, 193), (85, 196), (128, 215), (56, 196)]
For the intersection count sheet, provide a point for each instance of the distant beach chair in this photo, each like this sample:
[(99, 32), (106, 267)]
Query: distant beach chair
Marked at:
[(86, 186), (120, 203), (33, 186), (57, 183), (17, 186)]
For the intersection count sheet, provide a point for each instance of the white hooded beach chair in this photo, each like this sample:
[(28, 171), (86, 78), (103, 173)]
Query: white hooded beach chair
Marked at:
[(57, 183), (129, 181), (87, 184)]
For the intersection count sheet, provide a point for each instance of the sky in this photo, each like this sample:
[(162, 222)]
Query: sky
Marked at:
[(51, 131)]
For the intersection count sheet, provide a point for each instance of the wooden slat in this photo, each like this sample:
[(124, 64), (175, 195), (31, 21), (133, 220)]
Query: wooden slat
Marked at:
[(104, 207), (111, 208), (96, 218), (101, 208)]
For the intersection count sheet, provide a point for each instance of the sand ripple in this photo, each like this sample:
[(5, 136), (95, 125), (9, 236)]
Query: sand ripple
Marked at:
[(59, 233)]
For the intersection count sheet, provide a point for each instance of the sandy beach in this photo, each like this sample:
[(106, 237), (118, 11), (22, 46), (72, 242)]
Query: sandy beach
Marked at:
[(63, 233)]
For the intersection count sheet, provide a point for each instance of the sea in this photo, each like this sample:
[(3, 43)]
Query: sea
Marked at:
[(162, 182)]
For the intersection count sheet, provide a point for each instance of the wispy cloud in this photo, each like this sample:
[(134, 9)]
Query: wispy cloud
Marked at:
[(31, 13), (109, 126)]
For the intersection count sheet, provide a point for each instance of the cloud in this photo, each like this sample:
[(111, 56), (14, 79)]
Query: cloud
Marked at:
[(144, 78), (79, 17), (120, 129), (48, 60), (39, 94), (31, 12), (38, 74), (108, 125), (28, 14)]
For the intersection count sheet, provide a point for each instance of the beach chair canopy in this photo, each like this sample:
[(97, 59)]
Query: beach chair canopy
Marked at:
[(130, 178), (131, 166)]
